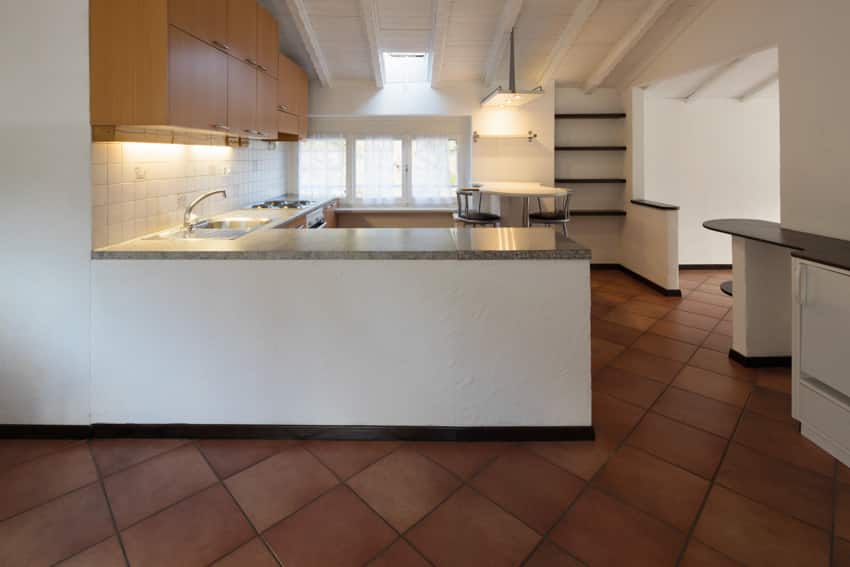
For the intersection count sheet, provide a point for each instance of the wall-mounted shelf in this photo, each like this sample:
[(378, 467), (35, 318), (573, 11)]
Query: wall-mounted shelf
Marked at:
[(591, 116), (597, 213), (590, 181), (531, 136), (590, 148)]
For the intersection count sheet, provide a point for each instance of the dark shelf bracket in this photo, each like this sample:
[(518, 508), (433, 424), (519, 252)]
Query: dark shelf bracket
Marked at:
[(589, 181), (591, 116)]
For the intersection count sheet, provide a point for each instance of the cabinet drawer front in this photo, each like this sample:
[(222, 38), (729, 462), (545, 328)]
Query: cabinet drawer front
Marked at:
[(825, 412), (825, 327)]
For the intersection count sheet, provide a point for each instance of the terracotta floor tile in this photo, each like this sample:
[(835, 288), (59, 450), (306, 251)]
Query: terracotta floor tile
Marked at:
[(700, 555), (16, 451), (713, 385), (712, 287), (337, 529), (784, 442), (648, 365), (840, 553), (652, 310), (660, 489), (692, 449), (602, 352), (659, 299), (724, 328), (612, 332), (599, 530), (197, 531), (347, 458), (463, 459), (105, 554), (599, 310), (582, 458), (628, 319), (549, 555), (626, 386), (714, 299), (691, 320), (720, 363), (776, 379), (664, 347), (112, 455), (229, 456), (769, 403), (707, 414), (729, 316), (57, 530), (718, 342), (842, 511), (144, 489), (37, 481), (252, 554), (399, 554), (275, 488), (403, 487), (793, 491), (690, 335), (754, 534), (529, 487), (615, 419), (609, 298), (468, 529), (700, 308)]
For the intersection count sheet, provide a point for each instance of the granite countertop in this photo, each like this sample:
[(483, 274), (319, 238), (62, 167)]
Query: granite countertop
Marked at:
[(805, 245), (360, 244)]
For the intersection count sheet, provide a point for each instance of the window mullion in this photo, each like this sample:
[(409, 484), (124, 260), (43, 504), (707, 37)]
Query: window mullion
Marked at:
[(407, 164)]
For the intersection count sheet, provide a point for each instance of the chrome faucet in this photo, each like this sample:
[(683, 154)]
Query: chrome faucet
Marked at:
[(188, 225)]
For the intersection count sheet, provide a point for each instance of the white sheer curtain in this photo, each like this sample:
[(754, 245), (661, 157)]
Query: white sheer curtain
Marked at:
[(434, 172), (321, 167), (378, 170)]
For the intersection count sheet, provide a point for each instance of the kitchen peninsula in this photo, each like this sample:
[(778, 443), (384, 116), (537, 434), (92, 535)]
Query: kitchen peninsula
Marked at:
[(407, 333)]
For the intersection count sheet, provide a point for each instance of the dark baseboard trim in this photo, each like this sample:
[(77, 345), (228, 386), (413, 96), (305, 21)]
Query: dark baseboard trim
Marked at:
[(760, 361), (640, 278), (705, 266), (20, 431)]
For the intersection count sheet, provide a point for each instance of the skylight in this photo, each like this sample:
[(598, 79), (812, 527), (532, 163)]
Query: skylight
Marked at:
[(405, 67)]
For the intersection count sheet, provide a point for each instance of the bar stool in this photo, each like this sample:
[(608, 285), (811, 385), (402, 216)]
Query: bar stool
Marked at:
[(473, 216), (561, 214)]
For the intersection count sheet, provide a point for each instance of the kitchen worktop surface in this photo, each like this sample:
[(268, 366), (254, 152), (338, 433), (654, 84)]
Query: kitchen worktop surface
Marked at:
[(360, 243)]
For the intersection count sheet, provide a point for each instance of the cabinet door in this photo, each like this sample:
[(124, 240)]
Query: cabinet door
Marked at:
[(287, 85), (242, 29), (267, 106), (197, 85), (825, 326), (330, 215), (287, 123), (267, 41), (241, 97), (204, 19), (302, 127), (302, 92)]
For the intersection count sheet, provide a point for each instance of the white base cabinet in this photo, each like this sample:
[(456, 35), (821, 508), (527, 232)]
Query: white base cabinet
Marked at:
[(821, 355)]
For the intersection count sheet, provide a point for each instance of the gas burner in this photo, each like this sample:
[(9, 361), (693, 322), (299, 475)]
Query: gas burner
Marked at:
[(283, 204)]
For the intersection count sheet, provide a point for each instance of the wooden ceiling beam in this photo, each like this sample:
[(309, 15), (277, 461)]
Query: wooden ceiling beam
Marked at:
[(439, 34), (711, 79), (311, 42), (626, 43), (568, 36), (510, 14), (369, 13)]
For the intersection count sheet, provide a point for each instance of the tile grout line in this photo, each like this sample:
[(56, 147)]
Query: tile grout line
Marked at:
[(146, 459), (102, 486)]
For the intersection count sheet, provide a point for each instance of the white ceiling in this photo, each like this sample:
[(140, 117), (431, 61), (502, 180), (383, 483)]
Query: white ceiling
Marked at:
[(570, 41), (730, 80)]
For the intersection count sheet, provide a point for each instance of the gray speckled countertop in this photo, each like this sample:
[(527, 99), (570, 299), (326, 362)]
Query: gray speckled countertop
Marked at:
[(270, 243)]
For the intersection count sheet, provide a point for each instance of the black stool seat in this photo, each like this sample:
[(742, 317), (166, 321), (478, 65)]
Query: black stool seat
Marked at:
[(547, 216), (477, 216)]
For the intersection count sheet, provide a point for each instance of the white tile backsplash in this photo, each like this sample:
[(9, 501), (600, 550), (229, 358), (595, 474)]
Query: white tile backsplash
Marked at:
[(138, 188)]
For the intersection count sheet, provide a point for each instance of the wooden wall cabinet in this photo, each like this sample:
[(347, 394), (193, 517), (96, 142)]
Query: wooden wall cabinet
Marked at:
[(242, 29), (204, 19), (268, 42), (267, 113), (198, 85), (292, 98)]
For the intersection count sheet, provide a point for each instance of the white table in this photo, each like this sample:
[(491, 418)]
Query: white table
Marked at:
[(518, 189)]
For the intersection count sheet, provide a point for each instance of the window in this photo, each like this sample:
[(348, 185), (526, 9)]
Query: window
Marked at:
[(406, 67), (378, 170), (434, 175), (322, 167)]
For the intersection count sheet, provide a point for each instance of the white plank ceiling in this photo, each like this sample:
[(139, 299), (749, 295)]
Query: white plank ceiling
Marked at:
[(576, 42)]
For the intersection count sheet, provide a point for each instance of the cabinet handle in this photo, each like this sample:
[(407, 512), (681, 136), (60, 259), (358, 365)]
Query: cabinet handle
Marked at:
[(251, 62), (802, 285), (221, 127), (283, 108), (263, 68), (221, 45)]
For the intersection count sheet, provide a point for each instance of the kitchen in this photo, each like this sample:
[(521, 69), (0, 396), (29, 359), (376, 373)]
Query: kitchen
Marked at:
[(254, 324)]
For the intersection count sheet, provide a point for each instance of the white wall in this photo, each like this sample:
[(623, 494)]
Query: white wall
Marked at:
[(815, 86), (714, 158), (45, 222)]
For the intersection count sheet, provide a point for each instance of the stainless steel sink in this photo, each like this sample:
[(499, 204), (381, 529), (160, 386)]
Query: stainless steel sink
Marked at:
[(221, 229)]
